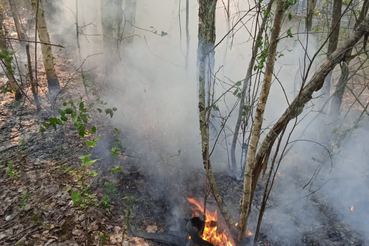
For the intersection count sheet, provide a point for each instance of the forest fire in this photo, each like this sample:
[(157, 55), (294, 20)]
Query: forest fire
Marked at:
[(211, 232)]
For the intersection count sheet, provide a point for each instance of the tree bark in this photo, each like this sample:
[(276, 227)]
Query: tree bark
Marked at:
[(9, 74), (297, 106), (112, 25), (47, 55), (333, 40), (258, 121), (310, 13), (34, 88), (245, 85), (17, 22), (187, 32), (206, 35), (336, 103), (130, 20)]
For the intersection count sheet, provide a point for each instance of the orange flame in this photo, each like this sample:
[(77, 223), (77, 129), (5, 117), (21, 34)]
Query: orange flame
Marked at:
[(211, 233), (352, 208)]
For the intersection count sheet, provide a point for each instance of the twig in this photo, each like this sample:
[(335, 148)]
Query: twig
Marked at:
[(33, 42)]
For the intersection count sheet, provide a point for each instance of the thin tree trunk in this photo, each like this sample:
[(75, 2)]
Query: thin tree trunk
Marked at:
[(336, 103), (33, 82), (206, 62), (298, 104), (9, 74), (258, 121), (79, 48), (17, 22), (333, 40), (187, 32), (310, 13), (111, 19), (130, 20), (47, 55), (245, 84)]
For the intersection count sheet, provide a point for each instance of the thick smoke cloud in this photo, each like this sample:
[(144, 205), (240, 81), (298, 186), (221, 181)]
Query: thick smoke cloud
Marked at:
[(157, 113)]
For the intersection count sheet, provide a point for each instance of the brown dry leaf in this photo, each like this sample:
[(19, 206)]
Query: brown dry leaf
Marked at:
[(136, 241), (151, 228)]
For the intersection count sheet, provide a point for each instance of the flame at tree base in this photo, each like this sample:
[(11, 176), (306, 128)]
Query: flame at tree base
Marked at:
[(211, 232)]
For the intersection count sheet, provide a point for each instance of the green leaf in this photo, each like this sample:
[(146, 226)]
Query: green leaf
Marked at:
[(93, 173), (42, 129), (76, 196), (115, 109), (74, 116), (109, 111), (289, 33), (93, 130), (68, 111), (61, 112), (64, 118), (91, 144), (82, 130), (239, 83), (84, 118), (67, 169), (86, 161), (59, 122), (81, 106), (99, 109), (65, 104), (235, 92), (289, 16), (116, 169)]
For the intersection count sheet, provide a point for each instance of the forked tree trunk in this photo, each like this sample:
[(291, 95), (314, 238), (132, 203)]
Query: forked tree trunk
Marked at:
[(245, 85), (205, 52), (258, 121), (47, 55), (298, 104), (310, 13), (13, 85), (342, 82), (112, 25), (333, 40)]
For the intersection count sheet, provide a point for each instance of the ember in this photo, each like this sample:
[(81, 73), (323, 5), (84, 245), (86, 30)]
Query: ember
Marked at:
[(352, 208)]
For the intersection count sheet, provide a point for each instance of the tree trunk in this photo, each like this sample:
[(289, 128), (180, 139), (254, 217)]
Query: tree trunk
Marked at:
[(34, 88), (335, 105), (258, 121), (47, 55), (245, 85), (130, 20), (13, 85), (333, 40), (298, 104), (187, 32), (206, 62), (112, 25), (17, 23), (310, 13)]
